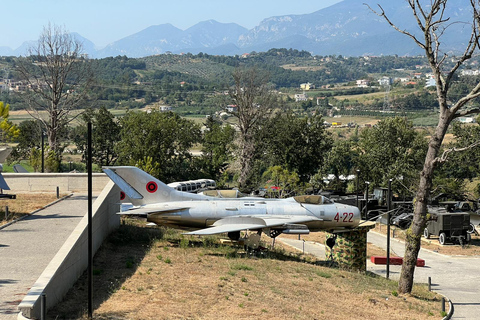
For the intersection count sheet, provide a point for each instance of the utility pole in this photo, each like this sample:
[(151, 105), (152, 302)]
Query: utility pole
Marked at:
[(90, 222)]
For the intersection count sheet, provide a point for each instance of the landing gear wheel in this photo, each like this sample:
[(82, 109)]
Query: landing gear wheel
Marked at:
[(426, 234), (471, 228), (442, 238)]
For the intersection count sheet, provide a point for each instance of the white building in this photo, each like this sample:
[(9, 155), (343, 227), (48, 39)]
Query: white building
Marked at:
[(301, 97)]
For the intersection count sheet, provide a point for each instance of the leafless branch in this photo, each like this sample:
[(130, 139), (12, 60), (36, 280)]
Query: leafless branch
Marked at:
[(384, 16), (444, 157)]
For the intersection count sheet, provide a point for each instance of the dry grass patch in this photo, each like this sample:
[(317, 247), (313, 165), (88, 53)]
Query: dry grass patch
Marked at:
[(24, 204), (154, 273)]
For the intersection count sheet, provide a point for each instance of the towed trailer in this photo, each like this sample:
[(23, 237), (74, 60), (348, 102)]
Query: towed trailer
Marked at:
[(448, 226)]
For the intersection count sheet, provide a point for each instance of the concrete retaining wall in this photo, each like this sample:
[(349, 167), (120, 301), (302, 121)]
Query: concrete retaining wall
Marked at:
[(48, 182), (72, 260)]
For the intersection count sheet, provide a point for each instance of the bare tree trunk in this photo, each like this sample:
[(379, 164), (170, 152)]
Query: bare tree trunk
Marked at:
[(433, 24), (253, 100), (247, 153), (414, 233)]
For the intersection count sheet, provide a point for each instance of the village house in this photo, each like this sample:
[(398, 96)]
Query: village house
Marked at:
[(301, 97), (307, 86), (363, 83), (231, 108), (164, 108), (385, 81), (470, 72)]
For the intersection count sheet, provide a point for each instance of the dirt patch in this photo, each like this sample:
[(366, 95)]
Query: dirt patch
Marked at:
[(153, 273), (24, 204)]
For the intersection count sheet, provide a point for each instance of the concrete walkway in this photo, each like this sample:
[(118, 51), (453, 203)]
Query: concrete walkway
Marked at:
[(27, 246), (457, 277)]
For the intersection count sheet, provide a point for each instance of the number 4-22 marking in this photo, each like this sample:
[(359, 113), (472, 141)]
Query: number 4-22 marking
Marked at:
[(345, 217)]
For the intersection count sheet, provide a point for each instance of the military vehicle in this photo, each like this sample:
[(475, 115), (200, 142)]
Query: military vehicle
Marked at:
[(448, 226)]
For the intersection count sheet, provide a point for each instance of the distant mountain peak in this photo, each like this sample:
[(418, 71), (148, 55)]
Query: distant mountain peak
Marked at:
[(348, 28)]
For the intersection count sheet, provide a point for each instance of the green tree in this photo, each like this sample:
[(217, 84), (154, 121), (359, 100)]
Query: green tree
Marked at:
[(298, 144), (29, 138), (340, 161), (165, 137), (217, 148), (450, 178), (463, 165), (280, 182), (105, 136), (9, 130), (391, 150)]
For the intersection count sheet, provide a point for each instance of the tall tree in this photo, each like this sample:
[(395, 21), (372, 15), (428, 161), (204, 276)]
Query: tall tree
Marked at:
[(58, 78), (433, 24), (298, 144), (30, 138), (254, 100), (340, 161), (392, 149), (160, 141), (105, 136), (217, 148)]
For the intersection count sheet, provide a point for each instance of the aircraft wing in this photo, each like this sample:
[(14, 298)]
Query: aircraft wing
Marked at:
[(144, 211), (239, 223)]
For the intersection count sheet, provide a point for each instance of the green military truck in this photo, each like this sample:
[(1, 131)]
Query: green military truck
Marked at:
[(448, 226)]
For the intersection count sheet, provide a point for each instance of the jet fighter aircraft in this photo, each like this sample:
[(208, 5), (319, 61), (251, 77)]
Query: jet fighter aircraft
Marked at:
[(207, 215)]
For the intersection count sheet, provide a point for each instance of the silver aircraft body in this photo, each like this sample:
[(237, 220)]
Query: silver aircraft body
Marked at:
[(207, 215)]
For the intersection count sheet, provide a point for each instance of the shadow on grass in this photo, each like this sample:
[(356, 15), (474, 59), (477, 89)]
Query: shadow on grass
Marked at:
[(115, 262), (235, 250)]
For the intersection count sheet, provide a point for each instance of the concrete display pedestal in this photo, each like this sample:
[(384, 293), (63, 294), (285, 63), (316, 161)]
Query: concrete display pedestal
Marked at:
[(350, 249)]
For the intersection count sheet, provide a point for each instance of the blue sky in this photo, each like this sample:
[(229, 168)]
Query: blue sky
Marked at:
[(105, 21)]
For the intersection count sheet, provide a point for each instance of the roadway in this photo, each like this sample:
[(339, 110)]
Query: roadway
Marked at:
[(27, 246), (453, 276)]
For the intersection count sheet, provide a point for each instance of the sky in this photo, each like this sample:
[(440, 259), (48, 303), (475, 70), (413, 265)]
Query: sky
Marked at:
[(106, 21)]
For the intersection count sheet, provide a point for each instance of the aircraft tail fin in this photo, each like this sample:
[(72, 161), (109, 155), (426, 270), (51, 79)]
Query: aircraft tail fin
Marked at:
[(141, 187)]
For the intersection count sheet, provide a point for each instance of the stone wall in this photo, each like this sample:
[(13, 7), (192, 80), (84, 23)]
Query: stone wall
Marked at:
[(48, 182)]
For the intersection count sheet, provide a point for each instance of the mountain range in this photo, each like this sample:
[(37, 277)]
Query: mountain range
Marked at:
[(348, 28)]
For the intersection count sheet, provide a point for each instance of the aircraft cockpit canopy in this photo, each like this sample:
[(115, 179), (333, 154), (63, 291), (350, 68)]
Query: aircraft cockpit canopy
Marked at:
[(313, 199)]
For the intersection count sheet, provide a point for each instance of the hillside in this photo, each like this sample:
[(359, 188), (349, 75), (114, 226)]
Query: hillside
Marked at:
[(157, 273)]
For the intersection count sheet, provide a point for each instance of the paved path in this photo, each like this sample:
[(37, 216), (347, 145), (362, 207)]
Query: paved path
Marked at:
[(458, 278), (27, 246)]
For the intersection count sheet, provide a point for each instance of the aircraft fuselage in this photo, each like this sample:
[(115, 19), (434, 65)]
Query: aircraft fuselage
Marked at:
[(201, 214)]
